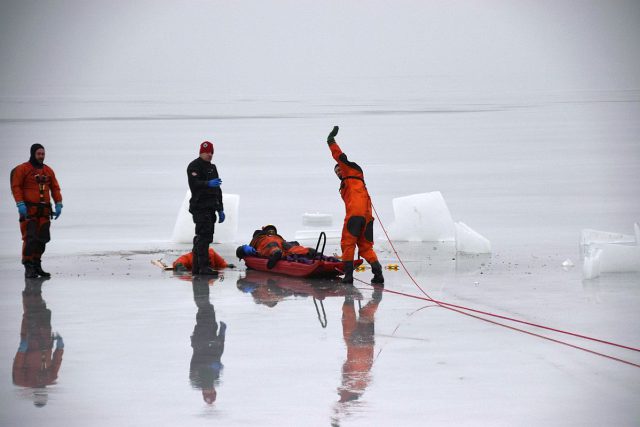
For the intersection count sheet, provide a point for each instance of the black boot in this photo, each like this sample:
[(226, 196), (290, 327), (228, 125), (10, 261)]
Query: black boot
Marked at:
[(203, 262), (376, 268), (273, 259), (29, 270), (195, 265), (38, 267), (208, 271), (348, 272)]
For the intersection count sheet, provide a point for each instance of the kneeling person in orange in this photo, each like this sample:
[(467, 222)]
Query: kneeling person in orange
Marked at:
[(358, 221), (185, 261), (33, 184)]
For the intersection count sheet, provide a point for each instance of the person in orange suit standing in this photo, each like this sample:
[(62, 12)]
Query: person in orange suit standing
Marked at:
[(357, 229), (33, 184), (35, 364)]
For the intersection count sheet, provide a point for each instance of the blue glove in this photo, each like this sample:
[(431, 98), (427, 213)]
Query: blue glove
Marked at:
[(221, 216), (22, 348), (248, 287), (214, 182), (58, 210), (216, 366), (59, 342), (22, 208), (248, 250)]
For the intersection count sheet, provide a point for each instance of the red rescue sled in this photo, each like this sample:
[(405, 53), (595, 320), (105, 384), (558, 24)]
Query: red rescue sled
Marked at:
[(314, 268), (318, 266)]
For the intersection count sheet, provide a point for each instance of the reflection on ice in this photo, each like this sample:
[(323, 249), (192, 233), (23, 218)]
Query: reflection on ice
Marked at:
[(35, 365), (269, 289), (207, 342), (435, 258), (358, 332)]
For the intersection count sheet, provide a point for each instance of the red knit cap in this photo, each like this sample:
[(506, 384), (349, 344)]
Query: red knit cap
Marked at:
[(206, 147)]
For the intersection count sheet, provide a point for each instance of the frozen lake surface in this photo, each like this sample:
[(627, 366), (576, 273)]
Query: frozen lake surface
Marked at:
[(528, 173)]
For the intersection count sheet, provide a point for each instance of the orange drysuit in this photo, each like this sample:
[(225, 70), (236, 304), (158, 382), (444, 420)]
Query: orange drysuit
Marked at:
[(358, 334), (215, 261), (358, 221), (35, 366), (35, 186), (266, 244)]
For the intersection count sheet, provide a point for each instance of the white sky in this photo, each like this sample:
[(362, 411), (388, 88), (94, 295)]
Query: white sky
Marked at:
[(123, 47)]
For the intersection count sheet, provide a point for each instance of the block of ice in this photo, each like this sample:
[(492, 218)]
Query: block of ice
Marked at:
[(591, 265), (619, 258), (422, 217), (606, 252), (184, 229), (589, 236), (469, 241), (314, 224), (317, 219), (312, 234)]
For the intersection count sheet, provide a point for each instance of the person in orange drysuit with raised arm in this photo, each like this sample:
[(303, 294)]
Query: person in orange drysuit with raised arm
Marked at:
[(357, 229), (33, 184), (185, 261)]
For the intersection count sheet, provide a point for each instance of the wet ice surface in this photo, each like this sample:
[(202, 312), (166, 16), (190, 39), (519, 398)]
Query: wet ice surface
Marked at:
[(528, 178), (127, 327)]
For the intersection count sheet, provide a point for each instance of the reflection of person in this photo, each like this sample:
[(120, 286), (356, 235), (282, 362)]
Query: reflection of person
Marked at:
[(206, 200), (263, 287), (185, 262), (358, 333), (207, 342), (358, 221), (33, 184), (35, 365), (267, 243)]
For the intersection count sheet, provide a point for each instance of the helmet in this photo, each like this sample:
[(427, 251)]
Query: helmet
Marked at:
[(270, 227)]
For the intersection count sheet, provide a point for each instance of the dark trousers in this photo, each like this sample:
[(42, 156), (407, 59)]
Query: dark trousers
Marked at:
[(35, 232), (205, 221)]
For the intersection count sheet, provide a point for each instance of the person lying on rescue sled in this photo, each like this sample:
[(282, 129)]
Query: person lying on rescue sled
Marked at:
[(358, 220), (269, 244), (184, 262)]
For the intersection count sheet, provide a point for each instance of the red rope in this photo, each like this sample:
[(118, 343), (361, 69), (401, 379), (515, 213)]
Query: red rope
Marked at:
[(457, 308)]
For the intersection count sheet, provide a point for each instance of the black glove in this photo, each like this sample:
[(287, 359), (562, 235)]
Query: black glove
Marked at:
[(332, 135)]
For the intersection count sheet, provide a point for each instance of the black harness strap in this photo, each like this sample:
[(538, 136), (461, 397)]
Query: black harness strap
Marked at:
[(342, 180)]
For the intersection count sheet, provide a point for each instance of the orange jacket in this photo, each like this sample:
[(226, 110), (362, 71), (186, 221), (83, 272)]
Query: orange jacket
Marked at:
[(266, 244), (352, 188), (215, 260), (34, 185)]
